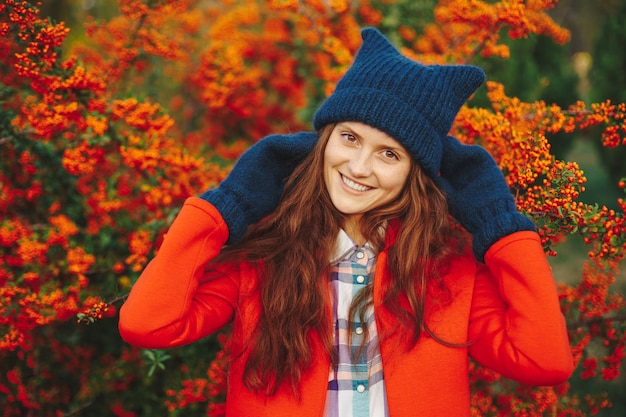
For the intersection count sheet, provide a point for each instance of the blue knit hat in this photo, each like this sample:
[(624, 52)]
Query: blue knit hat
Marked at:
[(413, 103)]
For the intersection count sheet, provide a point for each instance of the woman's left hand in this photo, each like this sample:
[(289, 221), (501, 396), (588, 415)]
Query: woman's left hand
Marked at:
[(478, 196)]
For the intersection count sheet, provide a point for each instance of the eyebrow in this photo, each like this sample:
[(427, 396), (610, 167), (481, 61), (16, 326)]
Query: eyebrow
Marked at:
[(345, 126)]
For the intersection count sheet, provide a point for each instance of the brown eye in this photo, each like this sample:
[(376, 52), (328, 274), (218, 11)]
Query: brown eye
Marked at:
[(391, 154), (349, 137)]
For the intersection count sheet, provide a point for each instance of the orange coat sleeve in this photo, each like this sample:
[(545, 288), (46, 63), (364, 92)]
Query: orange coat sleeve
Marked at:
[(516, 325), (174, 302)]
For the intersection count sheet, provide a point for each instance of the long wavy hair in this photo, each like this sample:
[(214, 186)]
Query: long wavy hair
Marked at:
[(292, 248)]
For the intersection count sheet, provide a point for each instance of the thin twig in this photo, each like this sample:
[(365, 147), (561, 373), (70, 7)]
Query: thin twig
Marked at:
[(77, 410)]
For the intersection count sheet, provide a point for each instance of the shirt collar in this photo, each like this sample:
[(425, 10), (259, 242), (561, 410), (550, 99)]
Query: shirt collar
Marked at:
[(345, 246)]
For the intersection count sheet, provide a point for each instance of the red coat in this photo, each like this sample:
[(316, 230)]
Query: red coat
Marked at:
[(508, 307)]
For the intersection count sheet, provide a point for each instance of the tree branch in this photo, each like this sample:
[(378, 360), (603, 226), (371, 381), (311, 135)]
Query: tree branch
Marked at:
[(593, 320)]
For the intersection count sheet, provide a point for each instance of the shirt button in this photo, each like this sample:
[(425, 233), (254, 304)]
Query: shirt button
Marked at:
[(360, 279), (360, 255), (360, 388), (358, 330)]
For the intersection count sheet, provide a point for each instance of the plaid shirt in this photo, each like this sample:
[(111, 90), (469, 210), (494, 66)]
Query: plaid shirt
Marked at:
[(355, 389)]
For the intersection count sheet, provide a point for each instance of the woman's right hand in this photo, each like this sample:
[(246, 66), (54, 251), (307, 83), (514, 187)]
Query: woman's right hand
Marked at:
[(255, 185)]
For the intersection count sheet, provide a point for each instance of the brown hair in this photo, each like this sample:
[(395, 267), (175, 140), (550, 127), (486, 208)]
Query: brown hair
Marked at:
[(292, 246)]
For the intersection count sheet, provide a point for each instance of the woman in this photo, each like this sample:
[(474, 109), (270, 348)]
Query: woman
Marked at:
[(352, 292)]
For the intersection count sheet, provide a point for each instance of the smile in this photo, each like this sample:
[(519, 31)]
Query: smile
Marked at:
[(354, 185)]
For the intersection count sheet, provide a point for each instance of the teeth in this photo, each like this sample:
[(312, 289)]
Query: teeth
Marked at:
[(354, 185)]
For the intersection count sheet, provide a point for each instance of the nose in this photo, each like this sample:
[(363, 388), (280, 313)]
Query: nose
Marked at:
[(360, 164)]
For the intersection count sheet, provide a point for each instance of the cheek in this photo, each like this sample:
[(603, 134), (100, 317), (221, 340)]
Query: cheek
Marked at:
[(328, 155), (333, 157), (394, 180), (327, 169)]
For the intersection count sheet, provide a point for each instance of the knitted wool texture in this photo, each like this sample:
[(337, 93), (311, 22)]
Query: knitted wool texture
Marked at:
[(253, 188), (478, 196), (413, 103)]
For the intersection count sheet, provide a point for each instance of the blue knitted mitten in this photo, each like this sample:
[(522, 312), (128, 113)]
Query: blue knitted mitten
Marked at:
[(255, 185), (478, 196)]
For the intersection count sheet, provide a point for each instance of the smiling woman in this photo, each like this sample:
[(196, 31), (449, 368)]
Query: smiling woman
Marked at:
[(364, 168), (350, 289)]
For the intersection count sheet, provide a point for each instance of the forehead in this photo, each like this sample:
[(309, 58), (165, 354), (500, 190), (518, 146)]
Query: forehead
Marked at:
[(369, 133), (362, 129)]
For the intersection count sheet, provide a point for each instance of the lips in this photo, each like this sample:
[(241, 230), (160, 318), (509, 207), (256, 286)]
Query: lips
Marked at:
[(353, 185)]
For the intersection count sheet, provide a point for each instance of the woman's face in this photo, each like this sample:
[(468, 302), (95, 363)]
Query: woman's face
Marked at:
[(364, 168)]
